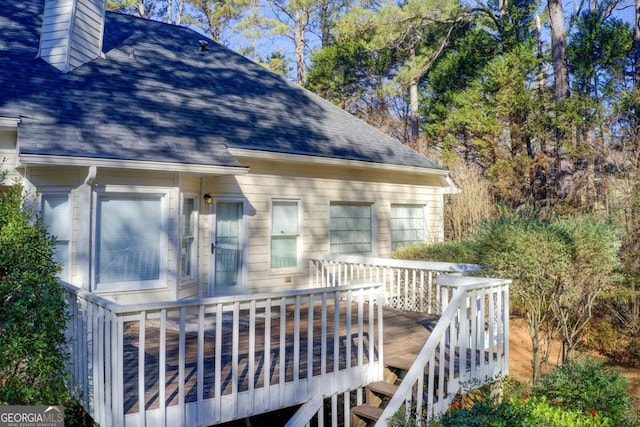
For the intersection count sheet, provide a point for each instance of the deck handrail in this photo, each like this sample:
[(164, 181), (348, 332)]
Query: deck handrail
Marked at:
[(409, 284), (461, 325), (283, 373), (306, 412), (119, 308), (449, 267)]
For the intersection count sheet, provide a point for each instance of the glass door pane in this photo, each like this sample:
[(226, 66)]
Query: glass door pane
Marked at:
[(228, 247)]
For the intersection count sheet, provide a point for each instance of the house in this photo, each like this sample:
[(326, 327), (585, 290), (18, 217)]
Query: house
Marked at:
[(191, 191), (170, 167)]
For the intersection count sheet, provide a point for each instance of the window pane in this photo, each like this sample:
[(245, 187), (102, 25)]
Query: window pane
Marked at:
[(285, 234), (188, 213), (57, 218), (128, 238), (285, 218), (350, 229), (56, 215), (407, 225), (188, 245), (284, 251)]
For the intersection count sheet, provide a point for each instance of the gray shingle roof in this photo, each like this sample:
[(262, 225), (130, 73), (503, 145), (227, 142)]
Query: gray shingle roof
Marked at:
[(157, 97)]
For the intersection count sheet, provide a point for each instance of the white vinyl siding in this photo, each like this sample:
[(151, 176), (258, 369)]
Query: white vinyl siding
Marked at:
[(188, 245), (131, 241), (285, 234), (56, 214), (350, 228), (407, 225)]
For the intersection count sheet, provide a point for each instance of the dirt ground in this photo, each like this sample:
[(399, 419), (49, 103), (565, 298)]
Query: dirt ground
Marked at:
[(520, 359)]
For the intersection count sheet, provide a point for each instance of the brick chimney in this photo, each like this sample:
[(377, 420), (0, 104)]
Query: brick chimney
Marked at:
[(71, 32)]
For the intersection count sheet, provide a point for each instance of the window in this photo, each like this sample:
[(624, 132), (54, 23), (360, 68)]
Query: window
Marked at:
[(285, 234), (407, 225), (350, 228), (130, 240), (56, 214), (188, 245)]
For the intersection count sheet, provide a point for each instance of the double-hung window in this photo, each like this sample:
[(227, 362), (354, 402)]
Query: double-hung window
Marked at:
[(351, 228), (285, 234), (130, 240), (407, 225), (188, 245), (56, 214)]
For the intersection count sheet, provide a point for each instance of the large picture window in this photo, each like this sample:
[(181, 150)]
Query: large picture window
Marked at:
[(285, 234), (350, 228), (407, 225), (130, 240), (56, 214)]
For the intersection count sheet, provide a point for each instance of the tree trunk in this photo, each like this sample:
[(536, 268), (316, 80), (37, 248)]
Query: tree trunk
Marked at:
[(636, 48), (559, 50), (169, 11), (178, 20), (540, 56), (298, 40), (414, 127), (325, 25)]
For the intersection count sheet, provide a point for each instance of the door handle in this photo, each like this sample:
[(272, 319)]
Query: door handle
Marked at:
[(213, 248)]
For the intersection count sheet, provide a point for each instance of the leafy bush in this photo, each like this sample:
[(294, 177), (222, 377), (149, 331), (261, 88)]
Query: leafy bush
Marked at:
[(456, 251), (521, 412), (586, 385), (32, 309)]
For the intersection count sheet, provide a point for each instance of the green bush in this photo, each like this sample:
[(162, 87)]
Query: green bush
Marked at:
[(455, 251), (585, 385), (521, 412), (32, 309)]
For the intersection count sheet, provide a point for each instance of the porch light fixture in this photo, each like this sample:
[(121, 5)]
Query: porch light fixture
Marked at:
[(208, 200)]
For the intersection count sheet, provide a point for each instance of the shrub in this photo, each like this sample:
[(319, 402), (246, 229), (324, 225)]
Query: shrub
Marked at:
[(457, 251), (586, 385), (32, 309), (521, 412)]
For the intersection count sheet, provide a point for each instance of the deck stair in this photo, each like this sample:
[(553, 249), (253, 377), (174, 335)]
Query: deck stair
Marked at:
[(378, 393)]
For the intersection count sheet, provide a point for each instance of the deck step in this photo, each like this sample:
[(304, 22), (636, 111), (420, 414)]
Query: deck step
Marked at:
[(367, 412), (381, 387), (402, 363)]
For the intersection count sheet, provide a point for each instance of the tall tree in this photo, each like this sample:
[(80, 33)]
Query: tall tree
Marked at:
[(143, 8), (417, 29), (215, 16)]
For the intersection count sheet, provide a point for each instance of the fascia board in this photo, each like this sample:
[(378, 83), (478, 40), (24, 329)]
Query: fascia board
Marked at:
[(328, 161), (45, 160)]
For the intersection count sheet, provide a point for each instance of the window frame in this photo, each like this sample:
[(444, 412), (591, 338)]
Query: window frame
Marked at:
[(422, 207), (373, 226), (134, 285), (298, 236), (193, 277), (60, 192)]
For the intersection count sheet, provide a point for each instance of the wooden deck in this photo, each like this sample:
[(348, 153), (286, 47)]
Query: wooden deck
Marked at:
[(404, 335)]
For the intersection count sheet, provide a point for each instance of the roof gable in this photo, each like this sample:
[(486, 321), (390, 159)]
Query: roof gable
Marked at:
[(157, 97)]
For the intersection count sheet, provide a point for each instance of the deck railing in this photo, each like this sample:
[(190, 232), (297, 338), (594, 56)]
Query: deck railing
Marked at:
[(409, 285), (207, 361), (469, 343)]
